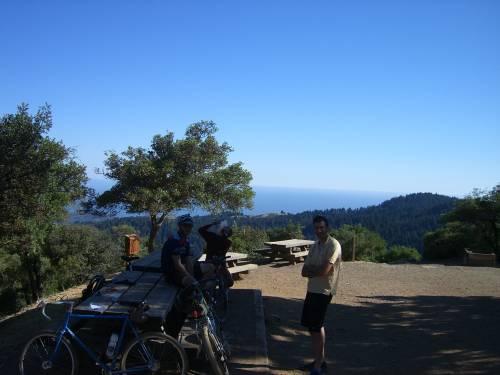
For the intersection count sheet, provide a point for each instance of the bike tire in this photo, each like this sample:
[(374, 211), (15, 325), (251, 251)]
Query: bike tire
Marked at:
[(40, 347), (133, 355), (221, 303), (216, 359)]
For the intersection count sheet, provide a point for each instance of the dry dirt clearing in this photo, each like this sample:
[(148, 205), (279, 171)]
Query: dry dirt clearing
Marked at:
[(389, 319)]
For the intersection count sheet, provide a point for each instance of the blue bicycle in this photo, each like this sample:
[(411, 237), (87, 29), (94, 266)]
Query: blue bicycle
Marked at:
[(52, 353)]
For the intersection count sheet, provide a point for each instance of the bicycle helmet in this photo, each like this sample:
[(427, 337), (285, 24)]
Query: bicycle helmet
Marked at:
[(185, 219)]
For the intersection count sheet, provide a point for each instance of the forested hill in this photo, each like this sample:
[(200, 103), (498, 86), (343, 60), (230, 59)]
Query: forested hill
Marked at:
[(403, 220), (400, 221)]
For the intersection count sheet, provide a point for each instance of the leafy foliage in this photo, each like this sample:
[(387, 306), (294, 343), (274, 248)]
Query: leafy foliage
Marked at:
[(38, 179), (369, 246), (246, 239), (473, 223), (404, 253), (76, 252), (285, 233), (69, 256), (174, 174)]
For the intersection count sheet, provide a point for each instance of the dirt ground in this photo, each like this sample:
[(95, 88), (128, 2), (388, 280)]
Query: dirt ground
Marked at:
[(388, 319)]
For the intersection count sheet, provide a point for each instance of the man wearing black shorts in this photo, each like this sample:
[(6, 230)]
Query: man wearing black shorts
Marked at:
[(322, 268)]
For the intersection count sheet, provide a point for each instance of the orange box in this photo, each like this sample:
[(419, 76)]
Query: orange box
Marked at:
[(132, 244)]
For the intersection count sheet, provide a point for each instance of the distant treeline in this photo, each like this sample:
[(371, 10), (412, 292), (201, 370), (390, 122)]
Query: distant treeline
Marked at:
[(400, 221)]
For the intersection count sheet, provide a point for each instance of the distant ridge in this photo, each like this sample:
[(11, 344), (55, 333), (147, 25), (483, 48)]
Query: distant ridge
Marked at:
[(400, 221)]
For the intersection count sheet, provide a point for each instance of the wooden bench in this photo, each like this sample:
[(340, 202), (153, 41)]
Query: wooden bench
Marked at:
[(244, 268), (479, 259), (297, 255)]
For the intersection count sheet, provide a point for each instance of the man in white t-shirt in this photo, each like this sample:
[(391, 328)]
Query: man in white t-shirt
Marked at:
[(322, 268)]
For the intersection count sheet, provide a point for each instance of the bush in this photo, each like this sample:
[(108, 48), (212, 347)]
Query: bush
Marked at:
[(76, 252), (396, 253), (246, 239), (449, 241), (70, 256), (370, 246), (285, 233)]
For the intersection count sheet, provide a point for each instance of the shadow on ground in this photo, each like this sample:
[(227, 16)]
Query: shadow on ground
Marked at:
[(240, 330), (393, 335), (15, 333)]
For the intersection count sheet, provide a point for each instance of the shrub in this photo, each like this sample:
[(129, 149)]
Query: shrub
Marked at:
[(397, 252)]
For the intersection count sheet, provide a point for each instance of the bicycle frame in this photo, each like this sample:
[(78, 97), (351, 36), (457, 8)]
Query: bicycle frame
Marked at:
[(126, 323)]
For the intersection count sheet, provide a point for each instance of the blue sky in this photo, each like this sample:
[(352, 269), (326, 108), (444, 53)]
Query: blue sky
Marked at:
[(398, 96)]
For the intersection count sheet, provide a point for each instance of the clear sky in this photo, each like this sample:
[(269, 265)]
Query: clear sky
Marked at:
[(399, 96)]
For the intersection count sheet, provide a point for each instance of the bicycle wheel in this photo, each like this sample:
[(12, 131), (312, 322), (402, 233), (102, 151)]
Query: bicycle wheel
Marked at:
[(167, 355), (35, 357), (220, 303), (214, 350)]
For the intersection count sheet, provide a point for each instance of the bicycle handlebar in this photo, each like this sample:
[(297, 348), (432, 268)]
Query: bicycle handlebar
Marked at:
[(44, 304)]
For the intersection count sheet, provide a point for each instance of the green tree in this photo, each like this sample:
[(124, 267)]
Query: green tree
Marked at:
[(481, 211), (473, 223), (75, 252), (449, 241), (370, 246), (174, 174), (245, 239), (38, 179)]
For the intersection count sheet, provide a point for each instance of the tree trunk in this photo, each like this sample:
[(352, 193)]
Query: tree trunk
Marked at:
[(152, 235), (155, 228), (33, 277)]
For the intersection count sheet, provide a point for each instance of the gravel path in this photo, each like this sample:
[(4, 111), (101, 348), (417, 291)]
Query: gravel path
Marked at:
[(389, 319)]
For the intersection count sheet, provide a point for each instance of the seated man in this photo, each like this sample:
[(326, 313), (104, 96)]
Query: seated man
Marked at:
[(179, 269)]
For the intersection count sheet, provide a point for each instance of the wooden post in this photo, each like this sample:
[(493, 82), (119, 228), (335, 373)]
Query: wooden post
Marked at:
[(354, 247)]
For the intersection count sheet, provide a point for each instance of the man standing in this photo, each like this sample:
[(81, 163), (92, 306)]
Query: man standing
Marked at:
[(218, 244), (322, 268)]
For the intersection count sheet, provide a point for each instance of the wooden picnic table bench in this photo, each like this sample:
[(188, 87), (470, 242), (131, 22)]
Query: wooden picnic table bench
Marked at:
[(152, 263), (479, 259), (291, 250)]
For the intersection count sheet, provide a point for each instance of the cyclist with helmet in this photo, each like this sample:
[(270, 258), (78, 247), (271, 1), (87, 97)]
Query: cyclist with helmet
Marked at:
[(176, 257), (218, 243), (180, 270)]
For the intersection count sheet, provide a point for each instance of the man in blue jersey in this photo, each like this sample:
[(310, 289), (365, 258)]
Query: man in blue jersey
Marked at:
[(180, 269), (176, 257)]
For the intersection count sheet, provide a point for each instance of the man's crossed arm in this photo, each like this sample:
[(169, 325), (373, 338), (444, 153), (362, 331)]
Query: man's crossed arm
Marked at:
[(315, 271)]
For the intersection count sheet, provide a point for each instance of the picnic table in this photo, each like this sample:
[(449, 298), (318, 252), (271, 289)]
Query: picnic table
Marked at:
[(291, 250), (152, 263), (146, 283), (132, 287)]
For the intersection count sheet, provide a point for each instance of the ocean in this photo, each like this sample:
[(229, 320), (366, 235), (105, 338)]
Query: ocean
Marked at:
[(294, 200)]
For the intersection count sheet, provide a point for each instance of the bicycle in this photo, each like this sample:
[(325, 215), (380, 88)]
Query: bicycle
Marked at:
[(218, 294), (52, 352), (207, 326)]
